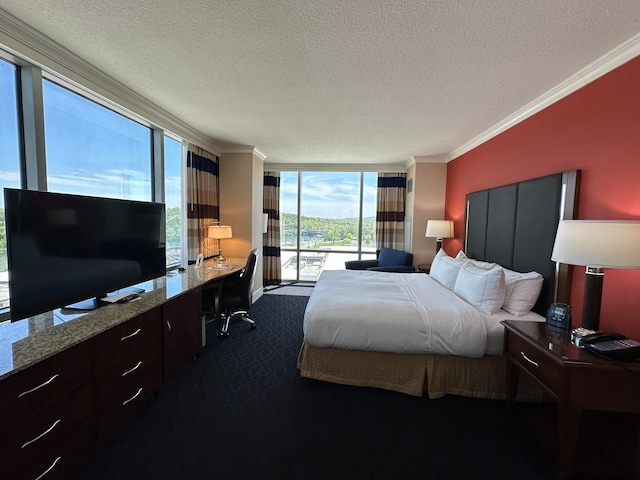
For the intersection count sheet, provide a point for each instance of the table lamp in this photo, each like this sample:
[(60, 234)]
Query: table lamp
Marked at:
[(597, 244), (219, 232), (439, 229)]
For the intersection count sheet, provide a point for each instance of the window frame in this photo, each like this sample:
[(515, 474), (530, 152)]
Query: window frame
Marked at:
[(297, 250), (33, 162)]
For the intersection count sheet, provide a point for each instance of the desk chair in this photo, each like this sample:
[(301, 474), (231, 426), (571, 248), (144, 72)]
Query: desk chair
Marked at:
[(235, 298)]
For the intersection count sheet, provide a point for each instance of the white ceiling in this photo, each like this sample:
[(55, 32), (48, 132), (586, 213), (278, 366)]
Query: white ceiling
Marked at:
[(338, 81)]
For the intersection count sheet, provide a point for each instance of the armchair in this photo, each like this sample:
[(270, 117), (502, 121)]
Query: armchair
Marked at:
[(389, 260)]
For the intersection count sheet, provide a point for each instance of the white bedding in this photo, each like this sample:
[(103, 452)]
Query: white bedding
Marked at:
[(495, 331), (392, 312)]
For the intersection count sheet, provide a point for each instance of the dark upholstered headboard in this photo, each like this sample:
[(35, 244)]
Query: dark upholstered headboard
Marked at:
[(515, 226)]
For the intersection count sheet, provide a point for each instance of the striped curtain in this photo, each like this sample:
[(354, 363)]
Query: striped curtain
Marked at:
[(391, 197), (203, 200), (271, 262)]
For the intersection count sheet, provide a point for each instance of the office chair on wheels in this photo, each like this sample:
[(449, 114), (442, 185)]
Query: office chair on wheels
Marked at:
[(235, 299)]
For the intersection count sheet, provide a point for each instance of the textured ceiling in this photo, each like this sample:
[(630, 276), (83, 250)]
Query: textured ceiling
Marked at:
[(337, 81)]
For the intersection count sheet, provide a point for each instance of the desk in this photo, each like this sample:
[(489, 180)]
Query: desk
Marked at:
[(575, 379), (69, 380), (213, 280), (31, 340)]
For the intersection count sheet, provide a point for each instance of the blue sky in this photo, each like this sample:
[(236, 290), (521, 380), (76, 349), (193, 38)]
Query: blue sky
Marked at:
[(328, 194), (90, 149)]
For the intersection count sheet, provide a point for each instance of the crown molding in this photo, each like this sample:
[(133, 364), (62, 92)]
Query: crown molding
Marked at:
[(29, 45), (620, 55), (259, 153), (429, 158), (335, 167)]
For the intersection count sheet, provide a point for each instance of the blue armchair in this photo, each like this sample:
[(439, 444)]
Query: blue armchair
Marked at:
[(389, 260)]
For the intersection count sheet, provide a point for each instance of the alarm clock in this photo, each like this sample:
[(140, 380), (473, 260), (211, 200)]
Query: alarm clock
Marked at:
[(559, 315)]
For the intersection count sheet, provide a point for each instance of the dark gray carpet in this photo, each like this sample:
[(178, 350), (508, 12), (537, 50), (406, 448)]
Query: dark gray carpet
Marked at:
[(242, 411)]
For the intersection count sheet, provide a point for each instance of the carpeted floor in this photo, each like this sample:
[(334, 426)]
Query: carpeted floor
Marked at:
[(242, 411)]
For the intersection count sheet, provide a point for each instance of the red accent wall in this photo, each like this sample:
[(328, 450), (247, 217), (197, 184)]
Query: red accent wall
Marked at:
[(596, 130)]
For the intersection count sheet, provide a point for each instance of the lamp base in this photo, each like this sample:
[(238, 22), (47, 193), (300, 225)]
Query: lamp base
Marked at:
[(593, 280)]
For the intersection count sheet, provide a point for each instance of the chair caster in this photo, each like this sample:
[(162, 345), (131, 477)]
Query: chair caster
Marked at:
[(223, 334), (253, 326)]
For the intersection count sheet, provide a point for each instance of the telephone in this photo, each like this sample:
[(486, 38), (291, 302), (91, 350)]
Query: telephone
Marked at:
[(611, 345)]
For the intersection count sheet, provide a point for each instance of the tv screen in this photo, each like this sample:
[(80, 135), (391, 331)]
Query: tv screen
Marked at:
[(65, 248)]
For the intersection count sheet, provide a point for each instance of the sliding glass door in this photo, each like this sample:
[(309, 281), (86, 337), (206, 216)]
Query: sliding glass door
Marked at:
[(326, 218)]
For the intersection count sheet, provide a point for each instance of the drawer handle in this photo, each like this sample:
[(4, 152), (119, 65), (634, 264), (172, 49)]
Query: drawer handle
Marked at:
[(50, 468), (133, 369), (131, 335), (528, 359), (40, 386), (48, 430), (133, 398)]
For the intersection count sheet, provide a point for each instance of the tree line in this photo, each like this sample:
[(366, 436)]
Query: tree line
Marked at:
[(320, 231)]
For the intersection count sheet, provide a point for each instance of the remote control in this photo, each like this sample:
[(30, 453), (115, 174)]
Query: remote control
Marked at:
[(128, 298)]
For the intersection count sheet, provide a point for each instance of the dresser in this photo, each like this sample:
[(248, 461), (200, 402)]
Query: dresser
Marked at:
[(69, 381)]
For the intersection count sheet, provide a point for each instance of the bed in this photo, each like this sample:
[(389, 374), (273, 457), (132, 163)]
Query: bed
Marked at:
[(412, 333)]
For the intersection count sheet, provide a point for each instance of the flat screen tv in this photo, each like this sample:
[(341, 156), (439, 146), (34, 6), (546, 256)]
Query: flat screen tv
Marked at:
[(71, 250)]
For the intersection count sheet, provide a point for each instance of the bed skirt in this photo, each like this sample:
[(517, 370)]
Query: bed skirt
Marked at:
[(415, 374)]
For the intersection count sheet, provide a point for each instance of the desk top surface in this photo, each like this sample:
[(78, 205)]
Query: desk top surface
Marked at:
[(31, 340)]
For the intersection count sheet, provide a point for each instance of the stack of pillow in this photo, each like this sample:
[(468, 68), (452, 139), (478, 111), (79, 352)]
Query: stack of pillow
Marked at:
[(487, 286)]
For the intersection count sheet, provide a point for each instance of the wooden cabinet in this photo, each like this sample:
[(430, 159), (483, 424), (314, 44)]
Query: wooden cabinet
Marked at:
[(55, 413), (182, 331), (128, 370), (579, 383), (46, 419)]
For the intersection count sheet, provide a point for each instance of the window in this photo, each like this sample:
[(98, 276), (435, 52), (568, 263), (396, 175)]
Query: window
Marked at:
[(9, 158), (326, 219), (173, 198), (92, 150)]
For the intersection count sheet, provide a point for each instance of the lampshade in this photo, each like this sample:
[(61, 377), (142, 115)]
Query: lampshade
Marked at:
[(598, 243), (219, 231), (439, 228)]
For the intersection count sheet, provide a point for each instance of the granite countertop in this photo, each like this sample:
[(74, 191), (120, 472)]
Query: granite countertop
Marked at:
[(31, 340)]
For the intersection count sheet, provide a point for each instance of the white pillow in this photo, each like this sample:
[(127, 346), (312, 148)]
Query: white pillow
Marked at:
[(478, 263), (521, 291), (482, 288), (444, 269)]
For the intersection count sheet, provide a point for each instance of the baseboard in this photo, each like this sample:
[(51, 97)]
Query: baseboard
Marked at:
[(257, 294)]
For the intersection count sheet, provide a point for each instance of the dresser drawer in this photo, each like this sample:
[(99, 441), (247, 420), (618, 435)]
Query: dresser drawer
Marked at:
[(115, 409), (49, 382), (538, 363), (128, 373), (58, 442), (137, 333)]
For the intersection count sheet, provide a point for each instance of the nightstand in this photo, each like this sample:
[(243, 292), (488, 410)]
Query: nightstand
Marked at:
[(423, 267), (575, 379)]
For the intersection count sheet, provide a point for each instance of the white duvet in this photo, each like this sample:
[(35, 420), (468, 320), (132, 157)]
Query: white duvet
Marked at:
[(391, 312)]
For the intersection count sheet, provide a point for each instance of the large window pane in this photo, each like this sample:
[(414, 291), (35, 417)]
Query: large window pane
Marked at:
[(330, 227), (92, 150), (173, 198), (9, 159)]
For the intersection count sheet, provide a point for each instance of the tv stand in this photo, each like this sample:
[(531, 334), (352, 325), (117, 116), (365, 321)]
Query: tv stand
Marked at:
[(67, 387), (87, 305)]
